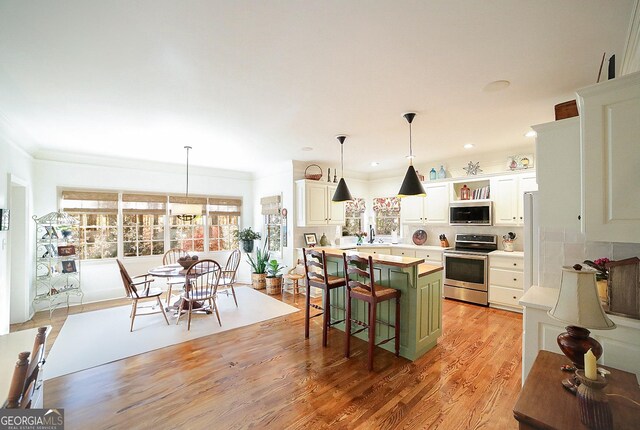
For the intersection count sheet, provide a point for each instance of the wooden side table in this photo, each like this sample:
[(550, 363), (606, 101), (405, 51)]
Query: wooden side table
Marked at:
[(544, 404)]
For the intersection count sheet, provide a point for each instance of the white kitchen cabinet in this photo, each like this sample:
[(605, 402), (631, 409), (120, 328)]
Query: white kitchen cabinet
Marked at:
[(374, 250), (506, 280), (432, 209), (506, 192), (558, 161), (433, 257), (403, 252), (610, 126), (314, 205)]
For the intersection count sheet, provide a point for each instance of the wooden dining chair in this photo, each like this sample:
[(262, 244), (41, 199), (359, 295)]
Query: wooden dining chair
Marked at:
[(201, 285), (136, 296), (16, 389), (315, 268), (228, 277), (171, 257), (372, 293)]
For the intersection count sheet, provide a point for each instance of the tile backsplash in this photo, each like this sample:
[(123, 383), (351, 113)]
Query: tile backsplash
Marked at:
[(434, 232), (565, 248)]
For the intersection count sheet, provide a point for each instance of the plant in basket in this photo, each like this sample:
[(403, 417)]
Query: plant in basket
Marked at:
[(259, 267), (274, 277)]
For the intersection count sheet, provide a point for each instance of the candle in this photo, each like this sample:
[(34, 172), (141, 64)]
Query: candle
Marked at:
[(590, 366)]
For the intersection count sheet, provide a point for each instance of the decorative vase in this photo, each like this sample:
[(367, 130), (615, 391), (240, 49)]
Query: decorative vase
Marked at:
[(258, 281), (593, 404), (359, 242), (274, 285), (323, 240), (247, 246)]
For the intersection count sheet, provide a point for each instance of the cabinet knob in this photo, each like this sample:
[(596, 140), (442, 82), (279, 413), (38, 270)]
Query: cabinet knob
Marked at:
[(520, 217), (515, 264), (515, 279), (579, 217), (514, 297), (514, 217)]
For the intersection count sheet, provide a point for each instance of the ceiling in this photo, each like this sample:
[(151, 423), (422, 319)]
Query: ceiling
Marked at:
[(248, 83)]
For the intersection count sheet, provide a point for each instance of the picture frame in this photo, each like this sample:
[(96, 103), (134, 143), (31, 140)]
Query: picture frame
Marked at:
[(310, 239), (66, 250), (69, 266), (51, 232), (4, 219)]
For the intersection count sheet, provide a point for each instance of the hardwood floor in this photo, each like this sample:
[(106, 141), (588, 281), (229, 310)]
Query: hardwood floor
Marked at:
[(268, 376)]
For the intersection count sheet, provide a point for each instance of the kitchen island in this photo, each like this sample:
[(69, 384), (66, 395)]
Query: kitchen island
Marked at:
[(420, 302)]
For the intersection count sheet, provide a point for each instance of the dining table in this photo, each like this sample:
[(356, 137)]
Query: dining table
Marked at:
[(172, 272)]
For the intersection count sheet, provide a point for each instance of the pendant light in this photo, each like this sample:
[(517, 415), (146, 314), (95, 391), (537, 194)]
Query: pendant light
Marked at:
[(342, 193), (411, 185), (185, 211)]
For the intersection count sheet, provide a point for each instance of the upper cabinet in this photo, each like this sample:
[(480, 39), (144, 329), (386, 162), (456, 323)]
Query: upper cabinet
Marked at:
[(610, 147), (314, 205), (558, 160), (432, 209), (506, 193)]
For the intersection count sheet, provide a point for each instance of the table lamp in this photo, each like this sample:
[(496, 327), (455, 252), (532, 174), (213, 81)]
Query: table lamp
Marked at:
[(579, 306)]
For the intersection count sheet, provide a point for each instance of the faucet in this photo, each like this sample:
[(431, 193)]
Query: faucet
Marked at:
[(372, 234)]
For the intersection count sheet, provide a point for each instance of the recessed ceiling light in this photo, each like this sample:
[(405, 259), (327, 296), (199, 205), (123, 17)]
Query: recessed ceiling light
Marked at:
[(530, 133), (468, 145), (374, 164), (494, 86), (307, 148)]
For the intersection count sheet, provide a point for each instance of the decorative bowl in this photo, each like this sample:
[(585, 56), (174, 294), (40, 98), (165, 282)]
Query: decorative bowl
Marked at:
[(187, 262)]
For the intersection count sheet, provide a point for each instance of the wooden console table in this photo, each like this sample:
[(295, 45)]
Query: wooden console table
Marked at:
[(544, 404)]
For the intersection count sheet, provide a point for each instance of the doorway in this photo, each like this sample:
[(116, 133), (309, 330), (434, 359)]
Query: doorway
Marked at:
[(19, 252)]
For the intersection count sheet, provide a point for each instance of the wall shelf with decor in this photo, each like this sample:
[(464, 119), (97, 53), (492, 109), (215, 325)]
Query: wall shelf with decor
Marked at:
[(57, 274), (479, 189)]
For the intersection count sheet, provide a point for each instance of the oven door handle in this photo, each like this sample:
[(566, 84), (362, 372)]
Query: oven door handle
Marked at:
[(470, 256)]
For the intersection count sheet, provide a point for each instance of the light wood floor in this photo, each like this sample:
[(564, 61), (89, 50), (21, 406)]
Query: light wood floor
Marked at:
[(268, 376)]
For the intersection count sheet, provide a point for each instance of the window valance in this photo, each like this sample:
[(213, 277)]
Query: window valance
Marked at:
[(387, 205)]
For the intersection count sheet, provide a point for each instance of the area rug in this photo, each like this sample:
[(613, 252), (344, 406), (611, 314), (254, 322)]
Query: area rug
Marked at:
[(94, 338)]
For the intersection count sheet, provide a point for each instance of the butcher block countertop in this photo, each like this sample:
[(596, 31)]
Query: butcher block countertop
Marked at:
[(425, 269), (389, 260)]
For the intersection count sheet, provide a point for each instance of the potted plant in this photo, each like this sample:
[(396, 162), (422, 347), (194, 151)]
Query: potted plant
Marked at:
[(274, 278), (246, 237), (259, 268)]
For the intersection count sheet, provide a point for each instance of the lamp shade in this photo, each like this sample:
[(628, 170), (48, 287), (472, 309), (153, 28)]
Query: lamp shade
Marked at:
[(342, 193), (183, 209), (411, 185), (578, 303)]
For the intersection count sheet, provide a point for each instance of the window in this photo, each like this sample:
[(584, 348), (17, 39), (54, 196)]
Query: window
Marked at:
[(147, 227), (272, 222), (387, 213), (223, 220), (354, 211), (187, 235), (143, 219), (97, 231)]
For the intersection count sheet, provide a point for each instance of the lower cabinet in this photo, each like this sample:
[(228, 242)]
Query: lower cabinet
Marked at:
[(506, 281), (433, 257), (402, 252)]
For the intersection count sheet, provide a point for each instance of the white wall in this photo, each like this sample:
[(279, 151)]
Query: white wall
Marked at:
[(101, 279), (276, 180), (16, 163)]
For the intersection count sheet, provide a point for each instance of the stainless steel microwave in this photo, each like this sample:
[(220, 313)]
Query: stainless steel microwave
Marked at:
[(470, 212)]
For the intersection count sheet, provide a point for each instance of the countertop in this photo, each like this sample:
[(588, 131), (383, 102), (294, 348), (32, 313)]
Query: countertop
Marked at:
[(425, 269), (390, 260), (545, 298), (500, 253), (388, 245)]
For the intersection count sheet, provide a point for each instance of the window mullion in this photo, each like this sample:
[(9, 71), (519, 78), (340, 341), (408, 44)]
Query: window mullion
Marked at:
[(120, 226)]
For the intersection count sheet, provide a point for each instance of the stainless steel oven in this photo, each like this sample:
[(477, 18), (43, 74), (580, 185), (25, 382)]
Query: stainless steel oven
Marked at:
[(466, 268)]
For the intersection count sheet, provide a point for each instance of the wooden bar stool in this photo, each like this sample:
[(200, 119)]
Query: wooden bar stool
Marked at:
[(315, 269), (373, 294)]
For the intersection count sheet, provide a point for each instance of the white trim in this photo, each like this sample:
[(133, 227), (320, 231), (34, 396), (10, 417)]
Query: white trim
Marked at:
[(631, 56)]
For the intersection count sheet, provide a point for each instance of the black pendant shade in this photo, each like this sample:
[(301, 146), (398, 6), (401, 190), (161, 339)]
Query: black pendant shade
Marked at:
[(342, 193), (411, 185)]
